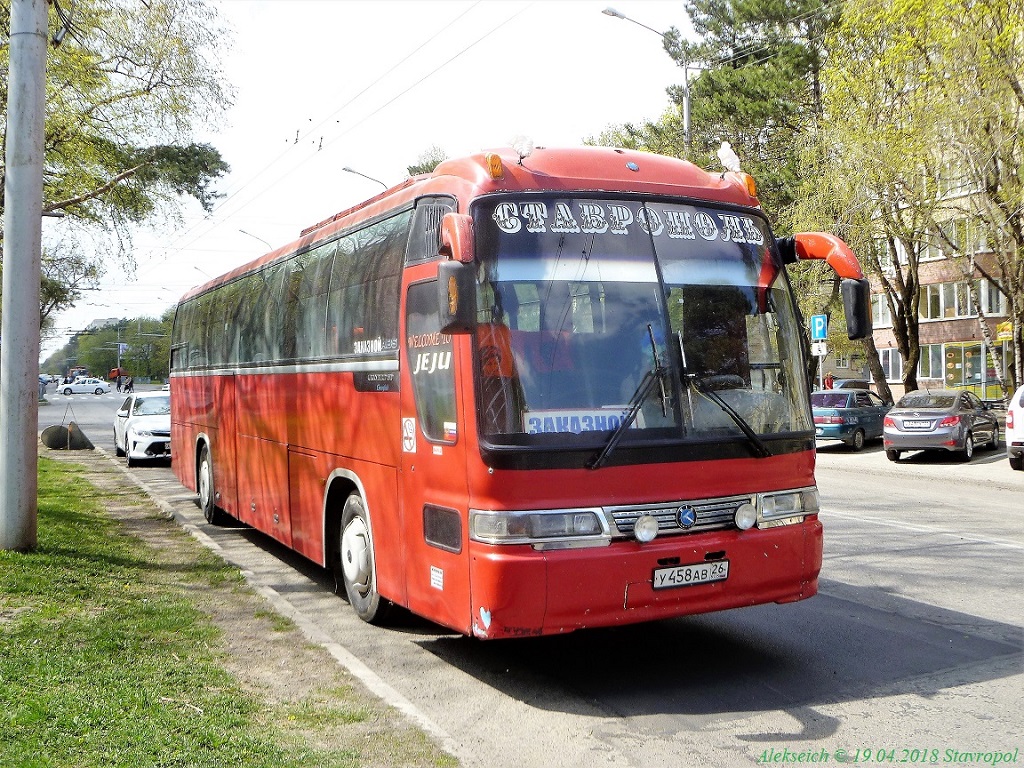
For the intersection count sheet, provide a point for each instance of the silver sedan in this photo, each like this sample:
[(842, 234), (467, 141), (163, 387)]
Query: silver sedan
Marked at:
[(940, 419)]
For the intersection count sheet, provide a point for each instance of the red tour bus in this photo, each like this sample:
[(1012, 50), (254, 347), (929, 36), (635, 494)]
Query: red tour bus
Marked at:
[(521, 395)]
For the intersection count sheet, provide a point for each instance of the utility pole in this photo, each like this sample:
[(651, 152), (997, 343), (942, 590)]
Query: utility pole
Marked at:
[(687, 133), (22, 244)]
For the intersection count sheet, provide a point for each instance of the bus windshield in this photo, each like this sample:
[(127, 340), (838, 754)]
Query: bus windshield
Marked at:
[(583, 301)]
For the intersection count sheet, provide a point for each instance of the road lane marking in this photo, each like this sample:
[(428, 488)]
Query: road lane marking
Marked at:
[(925, 529)]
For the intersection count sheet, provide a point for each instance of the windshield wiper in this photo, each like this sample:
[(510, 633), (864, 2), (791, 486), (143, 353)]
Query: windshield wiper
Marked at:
[(760, 449), (653, 375)]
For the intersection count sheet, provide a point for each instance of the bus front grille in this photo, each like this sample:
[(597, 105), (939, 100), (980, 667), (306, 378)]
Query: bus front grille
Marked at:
[(708, 514)]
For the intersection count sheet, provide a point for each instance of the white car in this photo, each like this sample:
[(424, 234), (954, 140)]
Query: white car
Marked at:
[(85, 385), (1015, 430), (142, 427)]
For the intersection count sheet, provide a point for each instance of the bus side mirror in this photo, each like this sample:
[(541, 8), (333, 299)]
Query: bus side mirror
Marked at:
[(856, 305), (855, 288), (457, 237), (456, 285)]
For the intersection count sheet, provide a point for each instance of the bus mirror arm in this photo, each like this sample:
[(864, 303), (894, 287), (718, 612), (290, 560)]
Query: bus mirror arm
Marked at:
[(833, 251), (457, 237)]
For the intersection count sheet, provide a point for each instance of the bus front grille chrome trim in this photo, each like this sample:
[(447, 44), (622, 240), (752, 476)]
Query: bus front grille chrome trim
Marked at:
[(681, 517)]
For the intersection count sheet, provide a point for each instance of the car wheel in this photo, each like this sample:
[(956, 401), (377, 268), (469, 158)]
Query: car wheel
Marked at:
[(128, 460), (207, 490), (994, 445), (67, 390), (892, 455), (857, 441), (968, 452), (1016, 462), (118, 450), (99, 391), (357, 571)]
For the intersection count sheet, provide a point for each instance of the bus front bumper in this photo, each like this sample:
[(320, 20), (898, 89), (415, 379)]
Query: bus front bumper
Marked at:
[(520, 592)]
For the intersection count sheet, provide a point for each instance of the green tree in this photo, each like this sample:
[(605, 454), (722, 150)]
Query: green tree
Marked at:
[(125, 89), (146, 352), (427, 161), (917, 104), (758, 65)]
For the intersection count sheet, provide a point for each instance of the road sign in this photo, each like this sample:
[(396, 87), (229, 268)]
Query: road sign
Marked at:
[(819, 349), (819, 327)]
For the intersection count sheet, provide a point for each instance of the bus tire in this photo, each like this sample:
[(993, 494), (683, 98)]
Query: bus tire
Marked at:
[(207, 490), (355, 553)]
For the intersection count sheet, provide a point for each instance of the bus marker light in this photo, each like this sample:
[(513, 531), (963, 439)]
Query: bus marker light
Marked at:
[(646, 528), (746, 516), (494, 166)]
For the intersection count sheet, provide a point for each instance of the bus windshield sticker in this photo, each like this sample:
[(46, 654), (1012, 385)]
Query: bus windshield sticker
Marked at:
[(577, 421), (430, 361), (409, 435), (589, 217), (375, 381)]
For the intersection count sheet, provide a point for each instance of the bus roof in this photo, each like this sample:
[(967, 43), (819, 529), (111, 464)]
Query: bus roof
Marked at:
[(577, 169)]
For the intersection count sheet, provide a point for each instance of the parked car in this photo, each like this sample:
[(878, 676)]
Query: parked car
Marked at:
[(850, 415), (1015, 430), (142, 427), (940, 419), (84, 385), (851, 384)]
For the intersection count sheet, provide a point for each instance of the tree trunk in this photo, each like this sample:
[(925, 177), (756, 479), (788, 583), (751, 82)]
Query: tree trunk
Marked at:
[(877, 373)]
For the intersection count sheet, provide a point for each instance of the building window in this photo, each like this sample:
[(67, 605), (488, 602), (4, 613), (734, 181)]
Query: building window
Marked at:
[(931, 302), (930, 365), (993, 302), (892, 364), (881, 317), (841, 360), (950, 301)]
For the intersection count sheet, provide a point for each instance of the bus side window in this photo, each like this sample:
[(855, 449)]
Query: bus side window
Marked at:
[(431, 364)]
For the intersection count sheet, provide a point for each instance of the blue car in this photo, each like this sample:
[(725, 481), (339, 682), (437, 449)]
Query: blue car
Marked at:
[(849, 415)]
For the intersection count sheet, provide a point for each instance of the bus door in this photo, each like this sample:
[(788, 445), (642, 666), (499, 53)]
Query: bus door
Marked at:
[(433, 478)]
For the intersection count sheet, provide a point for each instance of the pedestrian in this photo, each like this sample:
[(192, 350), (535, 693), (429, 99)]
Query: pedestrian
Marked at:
[(129, 385), (119, 382), (830, 380)]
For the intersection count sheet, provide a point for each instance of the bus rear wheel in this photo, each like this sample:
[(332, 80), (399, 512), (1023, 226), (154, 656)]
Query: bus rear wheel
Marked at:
[(207, 490), (356, 555)]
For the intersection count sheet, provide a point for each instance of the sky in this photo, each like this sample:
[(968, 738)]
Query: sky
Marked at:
[(321, 85)]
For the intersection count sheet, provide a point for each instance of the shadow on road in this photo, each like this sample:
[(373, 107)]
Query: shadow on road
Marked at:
[(760, 659)]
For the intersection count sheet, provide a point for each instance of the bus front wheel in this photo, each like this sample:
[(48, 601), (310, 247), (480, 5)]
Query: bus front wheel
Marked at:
[(207, 490), (357, 571)]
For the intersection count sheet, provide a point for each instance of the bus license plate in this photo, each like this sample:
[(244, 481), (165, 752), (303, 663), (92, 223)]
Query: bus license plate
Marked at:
[(687, 575)]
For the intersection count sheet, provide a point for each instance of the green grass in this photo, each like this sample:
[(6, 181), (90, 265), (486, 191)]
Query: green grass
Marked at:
[(104, 661)]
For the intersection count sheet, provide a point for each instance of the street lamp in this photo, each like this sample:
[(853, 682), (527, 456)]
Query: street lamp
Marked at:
[(687, 138), (346, 169), (250, 234), (612, 12)]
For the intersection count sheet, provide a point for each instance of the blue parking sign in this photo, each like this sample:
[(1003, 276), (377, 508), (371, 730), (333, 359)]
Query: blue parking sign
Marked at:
[(819, 327)]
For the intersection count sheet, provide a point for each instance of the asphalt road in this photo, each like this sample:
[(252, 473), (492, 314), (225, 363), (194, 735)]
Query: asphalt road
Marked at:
[(913, 645)]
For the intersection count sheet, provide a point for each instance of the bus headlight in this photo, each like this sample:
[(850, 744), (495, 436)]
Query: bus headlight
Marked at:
[(544, 529), (787, 508)]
